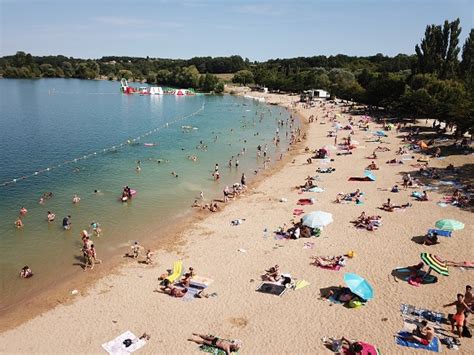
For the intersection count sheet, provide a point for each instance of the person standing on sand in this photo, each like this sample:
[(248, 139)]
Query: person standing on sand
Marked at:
[(135, 250), (243, 180), (459, 317)]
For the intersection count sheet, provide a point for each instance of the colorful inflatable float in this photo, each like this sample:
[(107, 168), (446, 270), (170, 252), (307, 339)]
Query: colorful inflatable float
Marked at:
[(153, 90)]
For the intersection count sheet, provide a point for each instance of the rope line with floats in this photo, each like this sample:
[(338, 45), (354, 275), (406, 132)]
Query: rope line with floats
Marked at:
[(128, 142)]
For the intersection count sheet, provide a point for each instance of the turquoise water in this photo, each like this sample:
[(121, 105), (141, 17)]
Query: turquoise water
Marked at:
[(50, 122)]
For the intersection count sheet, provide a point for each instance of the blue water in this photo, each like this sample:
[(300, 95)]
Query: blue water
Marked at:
[(48, 123)]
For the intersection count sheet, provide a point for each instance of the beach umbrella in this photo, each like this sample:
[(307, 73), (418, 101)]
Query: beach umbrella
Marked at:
[(359, 286), (370, 175), (435, 263), (380, 133), (317, 219), (449, 224)]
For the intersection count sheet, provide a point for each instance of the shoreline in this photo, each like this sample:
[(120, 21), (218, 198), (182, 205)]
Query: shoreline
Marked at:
[(170, 240), (126, 300)]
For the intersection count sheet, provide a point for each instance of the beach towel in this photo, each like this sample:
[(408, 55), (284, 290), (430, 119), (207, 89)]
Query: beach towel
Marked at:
[(117, 346), (300, 284), (192, 292), (315, 189), (177, 271), (298, 212), (305, 201), (334, 267), (355, 178), (214, 350), (440, 232), (201, 281), (367, 349), (271, 288), (433, 346)]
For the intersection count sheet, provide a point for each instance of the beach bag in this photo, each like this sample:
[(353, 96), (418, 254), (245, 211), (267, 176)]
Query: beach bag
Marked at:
[(466, 332), (354, 304)]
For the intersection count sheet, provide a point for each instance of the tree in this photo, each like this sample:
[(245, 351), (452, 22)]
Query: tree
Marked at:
[(208, 82), (219, 88), (125, 74), (467, 63), (438, 51), (243, 77)]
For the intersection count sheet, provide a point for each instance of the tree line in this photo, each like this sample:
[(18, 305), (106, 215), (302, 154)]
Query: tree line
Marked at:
[(436, 81)]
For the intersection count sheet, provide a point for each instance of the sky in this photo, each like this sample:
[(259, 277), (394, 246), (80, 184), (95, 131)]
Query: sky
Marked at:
[(256, 29)]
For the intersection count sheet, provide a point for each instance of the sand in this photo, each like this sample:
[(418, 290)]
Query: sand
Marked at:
[(295, 322)]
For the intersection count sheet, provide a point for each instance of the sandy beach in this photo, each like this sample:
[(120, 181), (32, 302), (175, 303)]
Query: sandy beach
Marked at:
[(235, 257)]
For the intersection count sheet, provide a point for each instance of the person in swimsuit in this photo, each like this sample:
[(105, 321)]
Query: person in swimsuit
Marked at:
[(228, 346), (19, 222), (23, 211), (26, 272), (459, 317), (423, 334), (51, 216)]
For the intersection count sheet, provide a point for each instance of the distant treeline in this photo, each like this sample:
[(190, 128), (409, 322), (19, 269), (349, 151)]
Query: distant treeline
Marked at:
[(437, 81)]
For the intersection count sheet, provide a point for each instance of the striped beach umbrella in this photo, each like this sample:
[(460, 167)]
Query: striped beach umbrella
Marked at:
[(435, 263), (449, 224)]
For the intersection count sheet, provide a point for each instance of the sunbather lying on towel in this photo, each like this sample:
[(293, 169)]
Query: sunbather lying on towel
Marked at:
[(389, 207), (228, 346), (394, 161), (329, 261), (349, 347), (174, 291), (272, 274), (381, 149), (325, 170), (423, 334)]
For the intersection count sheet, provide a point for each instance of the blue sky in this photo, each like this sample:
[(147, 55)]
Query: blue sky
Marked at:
[(255, 29)]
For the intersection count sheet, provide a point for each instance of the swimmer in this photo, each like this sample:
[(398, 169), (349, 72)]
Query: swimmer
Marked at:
[(26, 272), (67, 223), (201, 195), (51, 216), (76, 199), (138, 169), (19, 223), (96, 229), (23, 211)]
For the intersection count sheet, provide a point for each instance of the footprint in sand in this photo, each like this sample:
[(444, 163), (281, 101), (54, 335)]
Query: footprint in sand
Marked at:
[(239, 322)]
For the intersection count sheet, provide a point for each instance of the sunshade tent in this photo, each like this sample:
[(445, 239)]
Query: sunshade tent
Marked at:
[(435, 263), (449, 224), (380, 133), (317, 219), (359, 286)]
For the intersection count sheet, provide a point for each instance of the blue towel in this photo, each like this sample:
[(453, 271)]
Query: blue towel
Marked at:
[(440, 232), (433, 346), (191, 294)]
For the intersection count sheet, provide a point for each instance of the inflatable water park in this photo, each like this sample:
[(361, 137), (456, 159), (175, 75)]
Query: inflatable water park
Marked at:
[(153, 90)]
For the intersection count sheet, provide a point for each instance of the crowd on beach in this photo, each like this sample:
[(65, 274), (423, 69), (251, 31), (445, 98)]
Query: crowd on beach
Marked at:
[(343, 127)]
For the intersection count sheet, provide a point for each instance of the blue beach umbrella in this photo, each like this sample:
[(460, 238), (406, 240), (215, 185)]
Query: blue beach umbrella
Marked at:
[(380, 133), (370, 175), (359, 286)]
